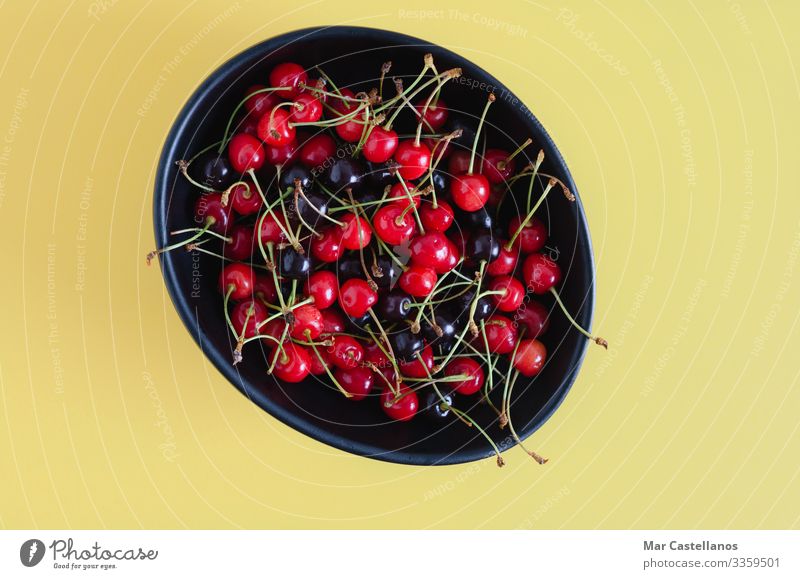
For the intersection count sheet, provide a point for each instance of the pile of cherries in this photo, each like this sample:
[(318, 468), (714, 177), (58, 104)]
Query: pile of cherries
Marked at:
[(372, 259)]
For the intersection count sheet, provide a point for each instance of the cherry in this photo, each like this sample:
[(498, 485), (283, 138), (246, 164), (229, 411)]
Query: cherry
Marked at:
[(403, 409), (380, 175), (307, 108), (504, 263), (254, 312), (389, 272), (240, 278), (435, 116), (344, 106), (319, 362), (413, 159), (292, 362), (351, 130), (296, 172), (244, 199), (288, 74), (414, 368), (458, 162), (446, 323), (270, 230), (293, 265), (430, 250), (438, 218), (346, 352), (305, 318), (418, 280), (275, 128), (471, 220), (240, 246), (402, 194), (434, 407), (453, 256), (532, 237), (540, 273), (380, 145), (470, 191), (356, 232), (212, 170), (249, 125), (323, 286), (394, 306), (343, 173), (513, 296), (392, 226), (530, 357), (209, 210), (495, 167), (310, 206), (317, 150), (281, 154), (274, 328), (534, 317), (501, 335), (405, 345), (349, 267), (245, 152), (328, 246), (469, 368), (356, 381), (332, 321), (264, 289), (260, 103), (482, 246), (356, 297)]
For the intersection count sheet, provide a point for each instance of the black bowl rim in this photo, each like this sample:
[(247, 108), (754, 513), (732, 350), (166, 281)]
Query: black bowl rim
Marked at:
[(189, 317)]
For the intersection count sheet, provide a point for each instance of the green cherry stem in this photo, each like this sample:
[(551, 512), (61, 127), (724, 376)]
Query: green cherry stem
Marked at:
[(596, 339), (489, 102)]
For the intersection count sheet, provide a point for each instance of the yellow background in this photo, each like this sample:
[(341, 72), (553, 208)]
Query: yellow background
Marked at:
[(679, 121)]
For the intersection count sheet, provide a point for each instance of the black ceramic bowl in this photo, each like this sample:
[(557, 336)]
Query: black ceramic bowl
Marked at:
[(352, 56)]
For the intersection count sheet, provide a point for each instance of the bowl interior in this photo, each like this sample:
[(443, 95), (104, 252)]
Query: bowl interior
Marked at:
[(353, 56)]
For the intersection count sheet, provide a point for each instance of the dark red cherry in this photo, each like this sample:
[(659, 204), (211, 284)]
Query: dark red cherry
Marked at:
[(501, 335), (540, 273), (275, 329), (394, 306), (513, 296), (292, 362), (380, 145), (245, 152), (275, 128), (530, 357), (344, 105), (281, 154), (264, 289), (328, 246), (346, 352), (240, 244), (251, 311), (495, 167), (472, 372), (439, 218), (319, 361), (435, 116), (333, 321), (323, 286), (357, 381), (392, 226), (403, 409), (208, 209), (356, 232), (532, 237), (244, 199), (430, 250), (305, 318), (260, 103), (356, 297), (316, 151), (288, 74), (458, 162), (418, 280), (470, 192), (239, 278), (534, 317), (414, 368), (413, 159)]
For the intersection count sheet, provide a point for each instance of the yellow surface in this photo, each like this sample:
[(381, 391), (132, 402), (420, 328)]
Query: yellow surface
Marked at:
[(679, 121)]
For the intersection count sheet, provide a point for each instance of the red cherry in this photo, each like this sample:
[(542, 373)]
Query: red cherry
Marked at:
[(238, 276), (414, 159), (402, 194), (307, 109), (280, 155), (307, 318), (532, 237), (319, 362), (470, 192), (240, 246), (264, 289), (392, 226), (323, 286), (275, 128), (530, 357), (405, 408), (418, 280), (315, 83), (292, 362), (458, 162), (245, 152), (270, 230), (208, 209), (317, 150), (501, 335), (344, 106), (493, 160), (469, 368), (504, 263), (249, 125), (257, 314), (274, 328), (380, 145), (356, 381), (540, 273), (453, 256), (288, 74), (260, 103), (356, 232), (352, 130), (430, 250), (439, 218), (435, 115), (244, 199), (534, 317), (356, 297), (514, 292), (328, 246), (416, 369), (375, 356), (332, 321), (346, 352)]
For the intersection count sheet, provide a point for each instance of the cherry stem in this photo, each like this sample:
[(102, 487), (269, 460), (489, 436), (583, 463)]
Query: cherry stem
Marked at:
[(408, 94), (536, 456), (198, 229), (280, 349), (298, 191), (412, 206), (275, 279), (489, 384), (198, 235), (466, 418), (502, 164), (325, 365), (388, 352), (268, 208), (183, 167), (444, 142), (489, 102), (230, 289), (529, 216), (596, 339), (385, 68), (224, 141), (370, 281)]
